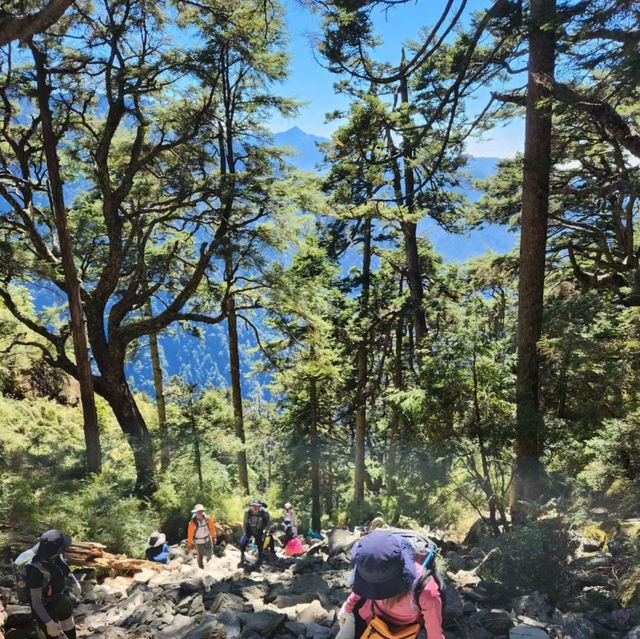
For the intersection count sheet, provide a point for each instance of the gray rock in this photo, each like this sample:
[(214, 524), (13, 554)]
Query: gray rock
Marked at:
[(307, 565), (265, 623), (319, 632), (576, 627), (226, 602), (634, 633), (197, 606), (453, 608), (601, 560), (340, 540), (17, 615), (315, 613), (533, 605), (178, 627), (287, 601), (454, 561), (468, 630), (527, 632), (295, 628), (497, 622), (144, 576), (208, 629), (250, 589), (230, 623)]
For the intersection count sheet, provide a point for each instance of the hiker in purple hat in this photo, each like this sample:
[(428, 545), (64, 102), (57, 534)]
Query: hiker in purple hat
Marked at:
[(385, 574)]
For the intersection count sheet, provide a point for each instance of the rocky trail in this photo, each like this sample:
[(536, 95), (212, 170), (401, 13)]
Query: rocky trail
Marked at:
[(298, 598)]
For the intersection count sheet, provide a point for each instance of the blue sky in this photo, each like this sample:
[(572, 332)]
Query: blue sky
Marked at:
[(310, 82)]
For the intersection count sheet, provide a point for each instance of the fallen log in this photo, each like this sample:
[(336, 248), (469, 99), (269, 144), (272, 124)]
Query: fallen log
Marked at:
[(94, 555)]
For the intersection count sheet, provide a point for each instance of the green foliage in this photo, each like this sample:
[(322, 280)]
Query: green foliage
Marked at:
[(533, 558)]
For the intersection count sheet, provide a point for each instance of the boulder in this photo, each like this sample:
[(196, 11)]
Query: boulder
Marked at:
[(634, 633), (319, 632), (227, 602), (497, 622), (287, 601), (178, 627), (17, 615), (575, 626), (265, 623), (522, 631), (144, 576), (532, 605), (315, 613), (230, 623), (454, 561), (208, 629), (340, 541)]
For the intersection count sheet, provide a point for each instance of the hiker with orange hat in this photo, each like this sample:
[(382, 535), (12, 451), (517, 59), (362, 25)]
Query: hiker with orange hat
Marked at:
[(202, 531)]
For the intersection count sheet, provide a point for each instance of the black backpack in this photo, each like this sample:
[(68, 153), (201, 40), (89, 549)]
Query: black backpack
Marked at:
[(425, 551), (19, 567)]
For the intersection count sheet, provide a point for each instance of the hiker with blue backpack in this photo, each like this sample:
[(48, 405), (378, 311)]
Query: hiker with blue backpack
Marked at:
[(393, 594), (256, 521), (43, 575)]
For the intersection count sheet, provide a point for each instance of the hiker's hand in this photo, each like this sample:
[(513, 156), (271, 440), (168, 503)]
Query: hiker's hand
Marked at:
[(53, 629), (342, 615)]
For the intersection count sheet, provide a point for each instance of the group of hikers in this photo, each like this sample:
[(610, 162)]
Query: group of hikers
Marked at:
[(256, 526), (394, 593)]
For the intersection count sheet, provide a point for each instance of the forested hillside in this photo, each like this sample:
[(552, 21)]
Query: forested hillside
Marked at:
[(383, 326)]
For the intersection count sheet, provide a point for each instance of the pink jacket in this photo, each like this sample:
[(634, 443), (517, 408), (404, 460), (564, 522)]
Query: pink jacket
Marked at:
[(403, 613)]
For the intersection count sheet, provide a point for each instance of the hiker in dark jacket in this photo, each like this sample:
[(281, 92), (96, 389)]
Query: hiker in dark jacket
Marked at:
[(46, 577), (256, 521)]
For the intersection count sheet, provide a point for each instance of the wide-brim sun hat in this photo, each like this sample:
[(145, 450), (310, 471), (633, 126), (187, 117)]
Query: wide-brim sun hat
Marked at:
[(52, 543), (256, 502), (197, 508), (287, 506), (156, 539), (383, 566)]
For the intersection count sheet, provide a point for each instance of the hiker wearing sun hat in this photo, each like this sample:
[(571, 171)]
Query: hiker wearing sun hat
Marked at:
[(202, 530), (158, 549), (290, 514), (256, 521), (384, 573)]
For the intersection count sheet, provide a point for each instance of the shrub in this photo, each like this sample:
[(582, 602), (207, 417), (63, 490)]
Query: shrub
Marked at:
[(532, 558)]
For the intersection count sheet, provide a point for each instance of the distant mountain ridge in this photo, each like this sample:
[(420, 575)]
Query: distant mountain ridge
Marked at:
[(205, 361)]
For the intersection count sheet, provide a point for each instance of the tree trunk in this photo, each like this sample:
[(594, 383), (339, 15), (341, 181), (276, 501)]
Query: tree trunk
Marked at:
[(158, 385), (396, 419), (361, 389), (314, 449), (116, 391), (80, 349), (529, 472), (236, 385), (197, 459), (22, 27), (409, 229)]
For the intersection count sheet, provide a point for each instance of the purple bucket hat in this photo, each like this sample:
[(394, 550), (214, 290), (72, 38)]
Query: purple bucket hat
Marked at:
[(383, 566)]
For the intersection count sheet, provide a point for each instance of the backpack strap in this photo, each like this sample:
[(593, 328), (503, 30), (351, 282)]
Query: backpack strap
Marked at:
[(429, 569)]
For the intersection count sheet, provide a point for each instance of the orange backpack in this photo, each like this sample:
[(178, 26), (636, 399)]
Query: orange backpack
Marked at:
[(379, 629)]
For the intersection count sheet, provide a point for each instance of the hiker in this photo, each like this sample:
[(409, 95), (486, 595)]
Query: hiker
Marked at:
[(385, 576), (202, 531), (158, 549), (290, 515), (269, 542), (292, 543), (46, 575), (256, 521)]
